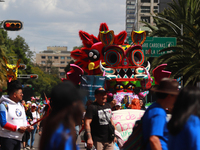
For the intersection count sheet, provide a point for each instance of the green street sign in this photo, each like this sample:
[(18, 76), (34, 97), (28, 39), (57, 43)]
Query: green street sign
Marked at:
[(153, 45)]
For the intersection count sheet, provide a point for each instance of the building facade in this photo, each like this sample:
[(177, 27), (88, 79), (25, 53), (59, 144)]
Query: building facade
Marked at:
[(139, 10), (164, 4), (144, 10), (131, 16), (57, 56)]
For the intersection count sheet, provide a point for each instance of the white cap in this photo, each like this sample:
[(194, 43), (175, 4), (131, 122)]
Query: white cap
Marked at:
[(118, 104), (34, 104), (28, 102)]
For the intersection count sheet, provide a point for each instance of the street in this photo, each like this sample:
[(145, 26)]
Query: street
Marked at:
[(37, 139)]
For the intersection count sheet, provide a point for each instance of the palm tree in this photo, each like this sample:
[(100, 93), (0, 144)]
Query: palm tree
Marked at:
[(184, 60)]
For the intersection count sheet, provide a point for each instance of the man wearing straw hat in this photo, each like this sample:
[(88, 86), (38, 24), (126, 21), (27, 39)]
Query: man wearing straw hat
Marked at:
[(154, 121)]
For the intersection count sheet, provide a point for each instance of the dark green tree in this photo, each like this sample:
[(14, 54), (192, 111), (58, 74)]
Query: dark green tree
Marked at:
[(184, 60)]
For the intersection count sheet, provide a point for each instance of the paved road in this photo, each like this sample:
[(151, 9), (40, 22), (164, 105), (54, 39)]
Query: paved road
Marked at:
[(37, 139)]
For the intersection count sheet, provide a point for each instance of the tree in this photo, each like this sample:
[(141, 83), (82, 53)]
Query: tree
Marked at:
[(184, 60)]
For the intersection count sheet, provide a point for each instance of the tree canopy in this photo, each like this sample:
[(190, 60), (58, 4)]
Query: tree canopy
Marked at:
[(181, 20)]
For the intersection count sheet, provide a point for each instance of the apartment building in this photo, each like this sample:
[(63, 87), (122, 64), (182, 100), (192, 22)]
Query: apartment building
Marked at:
[(144, 10), (59, 56), (131, 16)]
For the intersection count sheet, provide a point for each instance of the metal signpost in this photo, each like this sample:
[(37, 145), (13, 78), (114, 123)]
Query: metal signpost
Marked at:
[(152, 45)]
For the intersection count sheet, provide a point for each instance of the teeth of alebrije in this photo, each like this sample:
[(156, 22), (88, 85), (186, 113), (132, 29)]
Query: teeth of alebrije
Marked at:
[(125, 70), (132, 76), (118, 70), (132, 70), (118, 76), (125, 76)]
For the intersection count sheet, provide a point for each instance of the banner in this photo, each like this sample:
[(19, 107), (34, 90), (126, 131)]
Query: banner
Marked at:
[(90, 83), (125, 120)]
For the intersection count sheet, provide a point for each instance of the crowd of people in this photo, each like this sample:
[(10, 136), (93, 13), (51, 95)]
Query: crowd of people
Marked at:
[(19, 119)]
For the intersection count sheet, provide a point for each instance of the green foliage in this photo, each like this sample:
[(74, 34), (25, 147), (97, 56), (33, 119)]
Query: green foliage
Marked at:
[(184, 60), (16, 49)]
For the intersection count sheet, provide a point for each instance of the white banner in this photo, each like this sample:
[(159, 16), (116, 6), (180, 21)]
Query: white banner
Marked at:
[(125, 120)]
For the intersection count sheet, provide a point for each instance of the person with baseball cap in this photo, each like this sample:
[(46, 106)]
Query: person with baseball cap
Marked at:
[(36, 117), (154, 120), (96, 122)]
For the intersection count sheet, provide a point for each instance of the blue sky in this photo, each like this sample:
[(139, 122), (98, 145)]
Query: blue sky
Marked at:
[(57, 22)]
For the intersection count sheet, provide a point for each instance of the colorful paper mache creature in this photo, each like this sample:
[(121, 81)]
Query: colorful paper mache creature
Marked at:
[(12, 70), (122, 64)]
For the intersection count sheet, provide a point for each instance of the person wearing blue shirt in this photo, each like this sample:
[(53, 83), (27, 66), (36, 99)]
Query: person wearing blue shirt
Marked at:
[(67, 111), (184, 126), (154, 121)]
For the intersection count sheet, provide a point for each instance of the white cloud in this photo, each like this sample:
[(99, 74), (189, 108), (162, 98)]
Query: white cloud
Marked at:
[(57, 22)]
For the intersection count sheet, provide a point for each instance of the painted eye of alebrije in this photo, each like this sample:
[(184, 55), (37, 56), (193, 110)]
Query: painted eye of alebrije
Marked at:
[(91, 54), (95, 56)]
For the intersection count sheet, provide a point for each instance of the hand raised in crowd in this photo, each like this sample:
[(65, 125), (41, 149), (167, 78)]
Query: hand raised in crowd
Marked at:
[(30, 128), (22, 129)]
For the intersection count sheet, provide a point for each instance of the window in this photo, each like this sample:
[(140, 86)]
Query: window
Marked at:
[(155, 9), (129, 25), (68, 57), (62, 62), (145, 1), (130, 7), (155, 1), (145, 9), (130, 2), (55, 57), (62, 73), (146, 19), (62, 67), (130, 16), (62, 57), (43, 57), (130, 20), (42, 62), (49, 57), (130, 11), (129, 29)]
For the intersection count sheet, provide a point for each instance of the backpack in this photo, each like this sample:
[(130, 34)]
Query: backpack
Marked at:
[(135, 140)]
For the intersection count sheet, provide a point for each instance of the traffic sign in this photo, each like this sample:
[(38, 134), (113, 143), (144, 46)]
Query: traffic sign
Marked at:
[(153, 45)]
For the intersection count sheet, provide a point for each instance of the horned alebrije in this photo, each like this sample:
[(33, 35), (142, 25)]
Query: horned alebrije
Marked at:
[(11, 70)]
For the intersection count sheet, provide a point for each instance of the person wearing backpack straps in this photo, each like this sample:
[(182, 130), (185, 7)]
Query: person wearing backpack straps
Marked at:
[(154, 121), (98, 119), (12, 117)]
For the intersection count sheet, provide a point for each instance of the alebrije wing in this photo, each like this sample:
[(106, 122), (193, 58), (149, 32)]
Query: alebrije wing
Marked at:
[(120, 38), (86, 39), (79, 53), (94, 38), (103, 27)]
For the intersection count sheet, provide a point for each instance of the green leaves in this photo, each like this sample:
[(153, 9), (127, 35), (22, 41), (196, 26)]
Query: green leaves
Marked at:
[(184, 60)]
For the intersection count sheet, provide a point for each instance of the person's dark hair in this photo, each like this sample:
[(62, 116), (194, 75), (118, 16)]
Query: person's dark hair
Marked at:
[(67, 109), (187, 103), (143, 106), (14, 86), (161, 95)]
